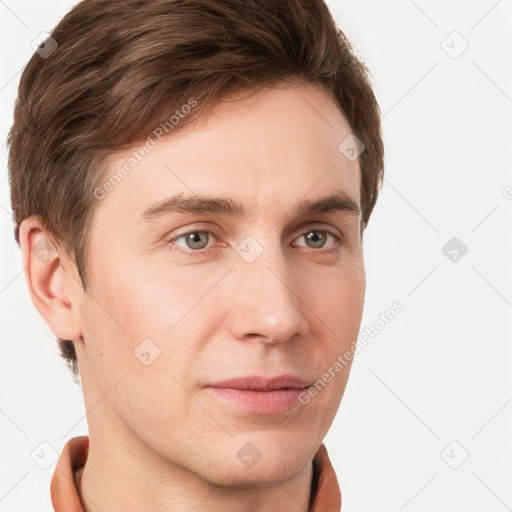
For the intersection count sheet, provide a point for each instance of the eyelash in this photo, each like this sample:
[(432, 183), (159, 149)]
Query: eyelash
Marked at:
[(338, 238)]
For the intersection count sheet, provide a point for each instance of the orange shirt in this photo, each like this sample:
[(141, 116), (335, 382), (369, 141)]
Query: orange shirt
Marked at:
[(325, 491)]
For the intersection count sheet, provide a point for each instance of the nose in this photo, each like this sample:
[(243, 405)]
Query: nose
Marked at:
[(265, 304)]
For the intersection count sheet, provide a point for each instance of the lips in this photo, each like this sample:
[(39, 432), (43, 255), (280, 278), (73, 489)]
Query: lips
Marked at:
[(263, 383), (261, 395)]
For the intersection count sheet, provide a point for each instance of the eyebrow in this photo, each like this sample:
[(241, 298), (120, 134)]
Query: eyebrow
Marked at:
[(221, 205)]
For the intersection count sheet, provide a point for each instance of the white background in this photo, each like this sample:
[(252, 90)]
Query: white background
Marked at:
[(435, 384)]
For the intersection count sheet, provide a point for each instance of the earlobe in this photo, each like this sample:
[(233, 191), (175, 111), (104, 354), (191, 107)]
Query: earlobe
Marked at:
[(49, 281)]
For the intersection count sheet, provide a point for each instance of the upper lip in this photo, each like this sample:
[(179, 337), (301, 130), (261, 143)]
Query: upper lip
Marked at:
[(257, 382)]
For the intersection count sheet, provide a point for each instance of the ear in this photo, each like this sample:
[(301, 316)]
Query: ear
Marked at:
[(54, 290)]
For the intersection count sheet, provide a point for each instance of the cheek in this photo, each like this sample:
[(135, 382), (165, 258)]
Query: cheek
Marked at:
[(338, 301), (141, 301), (140, 309), (132, 364), (339, 307)]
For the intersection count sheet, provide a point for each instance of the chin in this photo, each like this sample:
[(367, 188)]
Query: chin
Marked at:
[(257, 462), (264, 474)]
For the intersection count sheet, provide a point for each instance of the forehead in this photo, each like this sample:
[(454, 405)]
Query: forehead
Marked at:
[(270, 150)]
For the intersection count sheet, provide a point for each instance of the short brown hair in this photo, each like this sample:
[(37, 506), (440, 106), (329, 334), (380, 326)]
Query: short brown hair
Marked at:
[(120, 64)]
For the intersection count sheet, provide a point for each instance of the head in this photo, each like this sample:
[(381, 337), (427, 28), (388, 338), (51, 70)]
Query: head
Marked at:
[(162, 161)]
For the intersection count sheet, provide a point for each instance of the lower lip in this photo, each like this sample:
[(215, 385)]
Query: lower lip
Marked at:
[(263, 402)]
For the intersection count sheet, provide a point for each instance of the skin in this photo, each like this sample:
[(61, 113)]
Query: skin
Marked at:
[(159, 440)]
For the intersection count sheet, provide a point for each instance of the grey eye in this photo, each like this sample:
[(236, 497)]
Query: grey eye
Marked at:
[(195, 240), (316, 238)]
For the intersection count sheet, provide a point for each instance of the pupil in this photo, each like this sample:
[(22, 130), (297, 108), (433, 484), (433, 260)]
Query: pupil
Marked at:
[(314, 237), (195, 238)]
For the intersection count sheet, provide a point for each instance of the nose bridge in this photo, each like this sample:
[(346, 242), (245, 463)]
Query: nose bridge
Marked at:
[(266, 304)]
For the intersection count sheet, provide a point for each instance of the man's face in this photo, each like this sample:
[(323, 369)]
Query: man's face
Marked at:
[(268, 293)]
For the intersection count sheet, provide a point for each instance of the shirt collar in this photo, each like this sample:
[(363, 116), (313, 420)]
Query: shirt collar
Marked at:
[(325, 490)]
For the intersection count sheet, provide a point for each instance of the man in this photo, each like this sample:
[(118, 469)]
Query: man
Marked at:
[(191, 182)]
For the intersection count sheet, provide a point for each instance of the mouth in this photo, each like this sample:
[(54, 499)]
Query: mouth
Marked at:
[(261, 395)]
